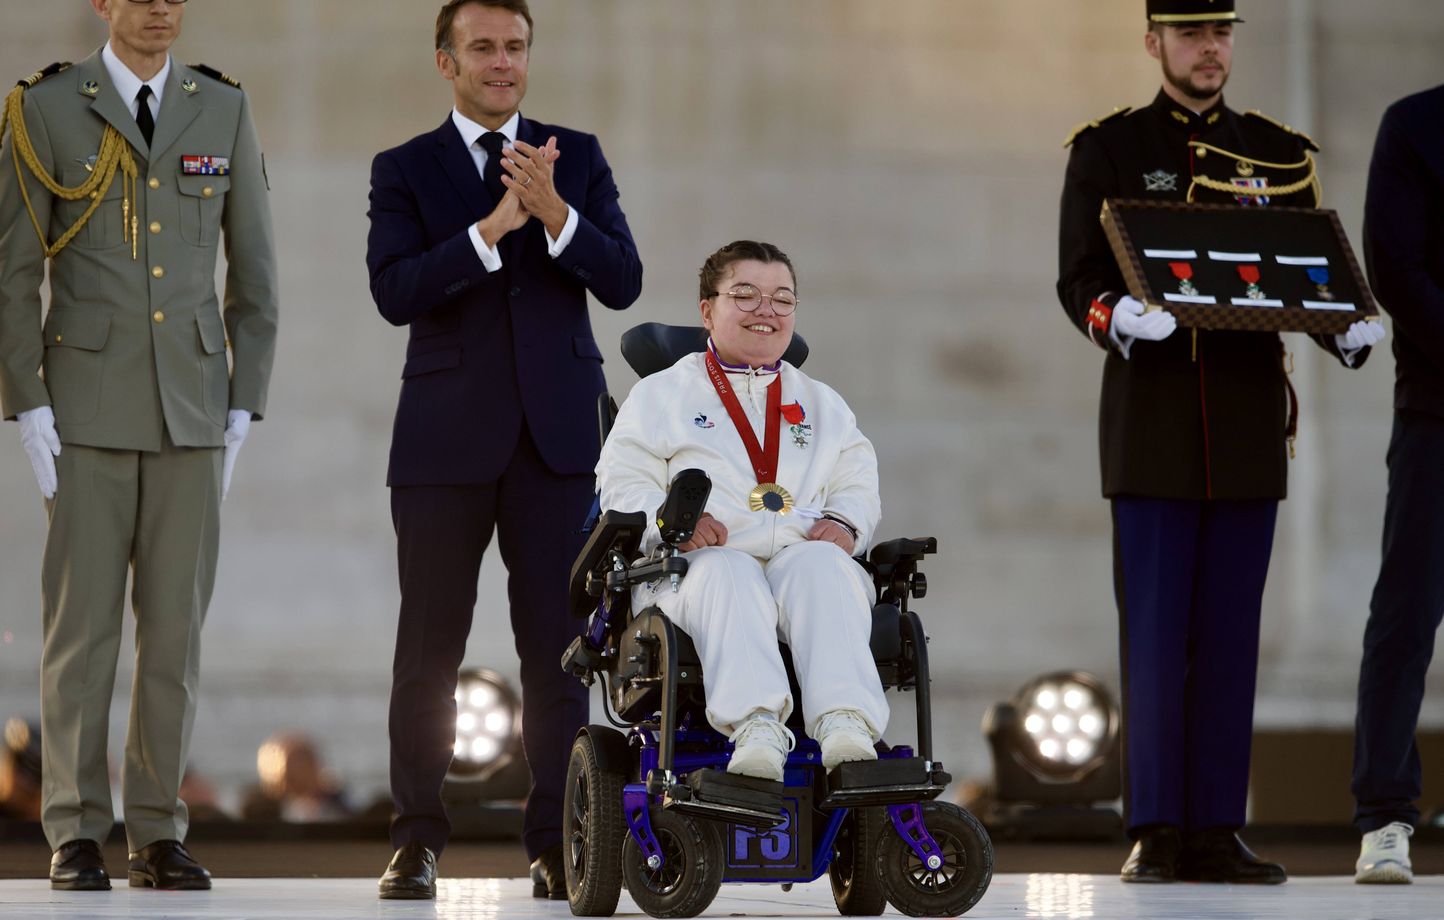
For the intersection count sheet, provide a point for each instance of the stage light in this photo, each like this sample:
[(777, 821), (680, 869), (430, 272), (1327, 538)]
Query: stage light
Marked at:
[(1056, 755), (488, 777), (488, 719)]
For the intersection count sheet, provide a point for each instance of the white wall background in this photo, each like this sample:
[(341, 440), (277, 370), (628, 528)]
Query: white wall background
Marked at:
[(907, 155)]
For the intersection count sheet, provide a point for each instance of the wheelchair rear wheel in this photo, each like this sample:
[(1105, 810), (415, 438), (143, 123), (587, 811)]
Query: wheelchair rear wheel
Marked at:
[(691, 871), (952, 888), (856, 887), (594, 828)]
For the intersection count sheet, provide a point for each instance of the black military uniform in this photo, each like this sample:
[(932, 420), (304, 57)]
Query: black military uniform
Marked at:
[(1193, 435), (1189, 417)]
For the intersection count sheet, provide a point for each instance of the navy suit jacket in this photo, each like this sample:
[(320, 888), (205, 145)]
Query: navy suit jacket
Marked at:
[(1404, 244), (489, 351)]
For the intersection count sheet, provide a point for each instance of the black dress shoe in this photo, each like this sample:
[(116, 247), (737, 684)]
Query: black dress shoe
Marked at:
[(78, 866), (1217, 855), (1155, 855), (166, 864), (411, 876), (549, 875)]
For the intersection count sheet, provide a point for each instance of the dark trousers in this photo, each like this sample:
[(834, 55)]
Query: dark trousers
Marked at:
[(1189, 578), (1404, 615), (442, 532)]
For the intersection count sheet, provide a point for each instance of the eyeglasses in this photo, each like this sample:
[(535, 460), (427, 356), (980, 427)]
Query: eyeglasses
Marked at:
[(748, 299), (168, 2)]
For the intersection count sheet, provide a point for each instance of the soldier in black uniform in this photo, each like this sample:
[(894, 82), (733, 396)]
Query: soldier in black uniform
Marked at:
[(1193, 432)]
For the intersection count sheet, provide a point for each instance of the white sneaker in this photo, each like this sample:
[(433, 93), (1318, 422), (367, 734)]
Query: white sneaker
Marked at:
[(1384, 856), (761, 748), (844, 736)]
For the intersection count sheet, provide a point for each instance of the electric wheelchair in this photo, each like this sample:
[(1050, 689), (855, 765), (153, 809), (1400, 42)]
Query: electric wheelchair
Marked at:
[(651, 805)]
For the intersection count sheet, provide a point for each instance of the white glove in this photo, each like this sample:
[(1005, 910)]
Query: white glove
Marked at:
[(238, 425), (42, 445), (1360, 335), (1129, 321)]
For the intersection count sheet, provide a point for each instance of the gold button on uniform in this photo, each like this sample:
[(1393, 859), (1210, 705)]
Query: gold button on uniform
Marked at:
[(158, 272), (207, 192), (59, 338), (154, 183), (155, 226), (158, 316)]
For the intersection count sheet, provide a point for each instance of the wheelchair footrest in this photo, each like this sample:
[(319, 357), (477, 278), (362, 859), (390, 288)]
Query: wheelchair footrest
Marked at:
[(892, 781), (728, 797)]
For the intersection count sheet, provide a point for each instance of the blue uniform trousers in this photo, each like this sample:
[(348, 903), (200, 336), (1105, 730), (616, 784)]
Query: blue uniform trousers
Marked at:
[(1189, 578), (442, 532), (1404, 615)]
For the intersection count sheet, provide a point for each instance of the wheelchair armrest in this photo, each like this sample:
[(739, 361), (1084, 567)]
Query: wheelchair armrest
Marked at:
[(904, 549), (616, 532), (894, 569)]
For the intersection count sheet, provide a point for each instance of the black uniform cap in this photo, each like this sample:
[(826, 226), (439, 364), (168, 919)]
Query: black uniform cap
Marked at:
[(1179, 12)]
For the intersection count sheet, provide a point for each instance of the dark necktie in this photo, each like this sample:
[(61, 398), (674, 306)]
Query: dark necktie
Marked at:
[(491, 142), (143, 117)]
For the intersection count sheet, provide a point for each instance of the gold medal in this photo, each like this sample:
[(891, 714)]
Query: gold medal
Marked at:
[(769, 496)]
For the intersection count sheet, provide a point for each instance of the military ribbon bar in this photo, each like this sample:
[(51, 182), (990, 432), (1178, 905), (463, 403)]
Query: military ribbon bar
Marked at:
[(205, 166)]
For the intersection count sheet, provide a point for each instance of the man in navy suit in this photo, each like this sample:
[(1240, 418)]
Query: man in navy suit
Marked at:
[(486, 235), (1404, 249)]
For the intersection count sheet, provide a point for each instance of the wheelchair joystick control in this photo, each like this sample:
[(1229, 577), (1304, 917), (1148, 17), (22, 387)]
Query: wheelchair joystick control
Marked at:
[(678, 516)]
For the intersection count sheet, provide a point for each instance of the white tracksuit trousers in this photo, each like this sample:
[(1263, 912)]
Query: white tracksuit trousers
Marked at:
[(737, 607)]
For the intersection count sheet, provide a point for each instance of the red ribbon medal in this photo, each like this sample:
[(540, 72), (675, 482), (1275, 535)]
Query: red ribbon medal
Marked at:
[(1183, 271), (768, 495), (1250, 276)]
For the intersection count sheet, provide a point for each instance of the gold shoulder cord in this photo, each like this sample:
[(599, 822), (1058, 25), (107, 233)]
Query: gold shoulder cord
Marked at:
[(114, 155), (1310, 180)]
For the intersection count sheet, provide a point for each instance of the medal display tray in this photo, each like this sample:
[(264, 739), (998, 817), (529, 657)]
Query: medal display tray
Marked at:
[(1135, 227)]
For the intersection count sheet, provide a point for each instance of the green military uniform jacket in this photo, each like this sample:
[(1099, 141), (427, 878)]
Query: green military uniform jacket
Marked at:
[(132, 348)]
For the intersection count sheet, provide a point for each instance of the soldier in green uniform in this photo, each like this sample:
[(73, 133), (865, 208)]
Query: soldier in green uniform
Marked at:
[(125, 172)]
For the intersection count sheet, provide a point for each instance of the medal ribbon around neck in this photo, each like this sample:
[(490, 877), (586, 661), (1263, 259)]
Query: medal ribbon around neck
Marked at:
[(768, 496)]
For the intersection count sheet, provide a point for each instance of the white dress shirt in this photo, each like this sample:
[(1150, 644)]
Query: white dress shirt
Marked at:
[(128, 85), (471, 133)]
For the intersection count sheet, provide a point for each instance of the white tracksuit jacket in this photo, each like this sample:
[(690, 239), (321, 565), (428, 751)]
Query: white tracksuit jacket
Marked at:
[(674, 420), (768, 582)]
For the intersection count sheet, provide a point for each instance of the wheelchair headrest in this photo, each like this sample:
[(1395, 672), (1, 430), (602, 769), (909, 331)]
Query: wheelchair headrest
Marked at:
[(653, 347)]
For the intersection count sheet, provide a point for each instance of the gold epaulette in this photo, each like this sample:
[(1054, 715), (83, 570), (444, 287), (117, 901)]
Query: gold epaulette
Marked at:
[(39, 75), (1288, 129), (1090, 125), (215, 74)]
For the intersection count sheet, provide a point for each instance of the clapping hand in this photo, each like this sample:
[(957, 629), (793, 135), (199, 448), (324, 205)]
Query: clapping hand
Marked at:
[(512, 213), (529, 174)]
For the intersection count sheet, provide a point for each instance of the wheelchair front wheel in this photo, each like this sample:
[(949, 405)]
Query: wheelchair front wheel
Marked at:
[(593, 828), (856, 887), (952, 888), (691, 871)]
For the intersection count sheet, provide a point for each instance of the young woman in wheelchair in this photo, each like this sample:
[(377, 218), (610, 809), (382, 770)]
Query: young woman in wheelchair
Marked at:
[(794, 496)]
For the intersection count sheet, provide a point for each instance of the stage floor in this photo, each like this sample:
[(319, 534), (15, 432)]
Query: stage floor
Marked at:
[(1011, 896)]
